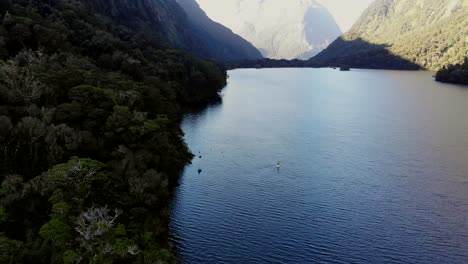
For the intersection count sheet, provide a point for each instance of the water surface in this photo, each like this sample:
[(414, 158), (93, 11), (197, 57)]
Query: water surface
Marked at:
[(374, 170)]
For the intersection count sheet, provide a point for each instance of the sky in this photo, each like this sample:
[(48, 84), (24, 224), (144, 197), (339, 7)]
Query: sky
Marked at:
[(346, 12)]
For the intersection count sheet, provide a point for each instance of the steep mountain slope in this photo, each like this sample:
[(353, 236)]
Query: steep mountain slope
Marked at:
[(90, 103), (214, 38), (279, 29), (404, 34), (185, 29)]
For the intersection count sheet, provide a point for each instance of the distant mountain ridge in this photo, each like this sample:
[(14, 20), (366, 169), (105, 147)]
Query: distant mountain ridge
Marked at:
[(279, 29), (426, 34)]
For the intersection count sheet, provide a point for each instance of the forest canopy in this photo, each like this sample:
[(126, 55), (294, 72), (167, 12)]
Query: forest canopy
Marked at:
[(457, 73), (89, 133)]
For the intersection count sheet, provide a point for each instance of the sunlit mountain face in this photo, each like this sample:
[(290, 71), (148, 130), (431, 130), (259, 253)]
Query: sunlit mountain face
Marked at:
[(401, 34), (279, 29)]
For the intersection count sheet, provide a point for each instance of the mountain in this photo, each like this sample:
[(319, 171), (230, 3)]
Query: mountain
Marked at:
[(279, 29), (182, 24), (91, 97), (403, 34), (213, 38)]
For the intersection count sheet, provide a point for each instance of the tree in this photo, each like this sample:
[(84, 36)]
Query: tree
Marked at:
[(18, 76), (76, 82), (5, 5)]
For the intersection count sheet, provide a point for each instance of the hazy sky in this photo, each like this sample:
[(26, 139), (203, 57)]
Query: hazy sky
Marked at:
[(346, 12)]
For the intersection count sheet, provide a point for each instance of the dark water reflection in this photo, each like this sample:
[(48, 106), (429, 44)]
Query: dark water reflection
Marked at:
[(374, 170)]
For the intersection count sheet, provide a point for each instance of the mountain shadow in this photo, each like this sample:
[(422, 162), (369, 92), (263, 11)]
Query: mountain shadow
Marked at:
[(341, 53), (457, 73), (359, 53), (213, 39), (429, 33), (266, 63)]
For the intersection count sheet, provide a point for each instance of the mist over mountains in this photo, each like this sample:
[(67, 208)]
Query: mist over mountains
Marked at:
[(279, 29)]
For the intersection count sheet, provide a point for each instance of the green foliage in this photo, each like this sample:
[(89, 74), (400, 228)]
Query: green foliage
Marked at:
[(71, 257), (454, 73), (267, 63), (399, 34), (3, 215), (159, 255), (9, 249), (90, 143), (60, 210), (56, 232), (17, 76), (90, 95)]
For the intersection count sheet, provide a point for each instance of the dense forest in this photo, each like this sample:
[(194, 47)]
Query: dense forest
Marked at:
[(363, 55), (90, 105), (399, 34), (454, 73), (267, 63)]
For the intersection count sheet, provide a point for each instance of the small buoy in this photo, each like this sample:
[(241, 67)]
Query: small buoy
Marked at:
[(200, 157)]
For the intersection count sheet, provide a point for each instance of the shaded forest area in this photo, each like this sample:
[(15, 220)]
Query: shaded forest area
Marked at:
[(89, 134), (359, 53), (266, 63), (457, 73), (364, 55)]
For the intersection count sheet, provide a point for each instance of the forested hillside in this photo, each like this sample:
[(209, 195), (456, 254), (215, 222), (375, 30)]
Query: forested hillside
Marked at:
[(166, 21), (403, 34), (457, 73), (90, 103)]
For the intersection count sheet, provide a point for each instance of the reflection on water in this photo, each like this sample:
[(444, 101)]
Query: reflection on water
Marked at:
[(374, 169)]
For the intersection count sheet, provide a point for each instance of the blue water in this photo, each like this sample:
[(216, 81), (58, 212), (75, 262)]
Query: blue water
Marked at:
[(374, 169)]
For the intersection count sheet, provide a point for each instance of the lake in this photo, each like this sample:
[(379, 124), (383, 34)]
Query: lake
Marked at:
[(374, 169)]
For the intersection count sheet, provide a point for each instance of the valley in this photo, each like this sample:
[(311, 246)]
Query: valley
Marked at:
[(131, 131)]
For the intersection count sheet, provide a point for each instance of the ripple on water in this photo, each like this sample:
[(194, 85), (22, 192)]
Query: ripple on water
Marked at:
[(362, 180)]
